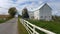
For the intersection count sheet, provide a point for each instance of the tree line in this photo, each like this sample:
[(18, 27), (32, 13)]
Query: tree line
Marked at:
[(12, 11)]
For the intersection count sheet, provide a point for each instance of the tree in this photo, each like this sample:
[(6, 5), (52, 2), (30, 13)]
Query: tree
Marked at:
[(12, 11), (19, 16), (25, 13)]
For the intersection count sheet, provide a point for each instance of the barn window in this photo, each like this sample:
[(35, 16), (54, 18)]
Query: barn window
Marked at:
[(45, 16), (41, 16), (32, 17), (49, 16)]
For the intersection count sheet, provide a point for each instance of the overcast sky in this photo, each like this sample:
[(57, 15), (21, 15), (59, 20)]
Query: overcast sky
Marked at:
[(30, 4)]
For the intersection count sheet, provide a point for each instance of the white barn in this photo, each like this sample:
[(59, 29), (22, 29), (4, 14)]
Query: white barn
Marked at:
[(44, 12), (31, 14)]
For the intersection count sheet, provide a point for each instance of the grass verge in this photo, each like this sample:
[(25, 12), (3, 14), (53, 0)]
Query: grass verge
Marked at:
[(21, 28)]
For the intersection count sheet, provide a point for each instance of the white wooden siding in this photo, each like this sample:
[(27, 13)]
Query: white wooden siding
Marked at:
[(36, 14), (45, 11)]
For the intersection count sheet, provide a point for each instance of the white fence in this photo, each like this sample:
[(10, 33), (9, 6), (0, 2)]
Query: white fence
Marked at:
[(31, 28)]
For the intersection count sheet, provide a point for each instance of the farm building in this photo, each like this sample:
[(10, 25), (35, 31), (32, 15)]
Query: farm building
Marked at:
[(44, 12), (31, 14), (4, 17)]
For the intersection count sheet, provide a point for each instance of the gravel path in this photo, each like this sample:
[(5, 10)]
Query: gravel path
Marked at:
[(9, 27)]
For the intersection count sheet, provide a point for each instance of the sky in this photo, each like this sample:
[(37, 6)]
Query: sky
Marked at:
[(30, 4)]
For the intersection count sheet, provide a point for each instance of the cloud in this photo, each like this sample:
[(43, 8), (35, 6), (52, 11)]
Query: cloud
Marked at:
[(54, 4), (30, 4)]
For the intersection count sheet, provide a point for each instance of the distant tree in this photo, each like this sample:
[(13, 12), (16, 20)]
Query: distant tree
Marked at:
[(12, 11), (25, 13), (56, 18), (19, 16)]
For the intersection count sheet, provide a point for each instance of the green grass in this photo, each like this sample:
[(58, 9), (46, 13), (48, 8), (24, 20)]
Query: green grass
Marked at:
[(1, 21), (21, 28), (53, 26)]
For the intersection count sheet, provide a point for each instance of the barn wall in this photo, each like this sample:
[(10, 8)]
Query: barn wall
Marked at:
[(45, 13), (36, 15), (31, 14)]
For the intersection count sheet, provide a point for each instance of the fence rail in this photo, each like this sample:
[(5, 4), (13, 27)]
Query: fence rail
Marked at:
[(31, 28)]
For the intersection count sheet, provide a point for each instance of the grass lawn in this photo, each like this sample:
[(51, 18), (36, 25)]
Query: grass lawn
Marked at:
[(21, 28), (53, 26), (1, 21)]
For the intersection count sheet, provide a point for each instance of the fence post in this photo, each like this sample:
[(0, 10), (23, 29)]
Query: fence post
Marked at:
[(34, 30)]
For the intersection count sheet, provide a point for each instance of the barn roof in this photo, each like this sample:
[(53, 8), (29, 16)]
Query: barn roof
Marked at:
[(40, 7)]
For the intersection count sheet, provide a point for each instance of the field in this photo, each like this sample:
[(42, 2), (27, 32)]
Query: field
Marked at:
[(53, 26)]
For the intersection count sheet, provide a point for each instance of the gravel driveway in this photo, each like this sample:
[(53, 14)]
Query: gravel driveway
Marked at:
[(9, 27)]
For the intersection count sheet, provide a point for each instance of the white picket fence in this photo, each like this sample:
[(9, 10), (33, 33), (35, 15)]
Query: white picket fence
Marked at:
[(31, 28)]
